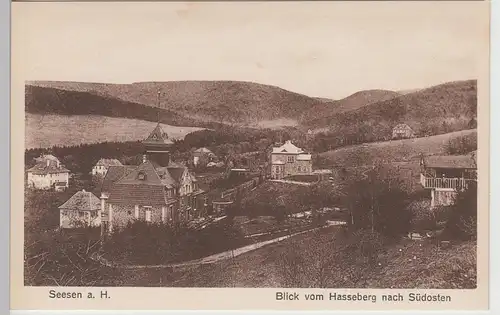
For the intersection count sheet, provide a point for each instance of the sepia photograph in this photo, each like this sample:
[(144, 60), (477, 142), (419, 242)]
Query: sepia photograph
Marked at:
[(252, 145)]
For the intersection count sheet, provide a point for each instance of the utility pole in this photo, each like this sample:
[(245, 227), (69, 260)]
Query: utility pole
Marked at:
[(158, 104)]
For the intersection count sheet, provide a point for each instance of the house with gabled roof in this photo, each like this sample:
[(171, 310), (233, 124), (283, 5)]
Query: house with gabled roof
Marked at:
[(45, 157), (83, 209), (289, 160), (402, 131), (157, 191), (46, 174), (445, 175), (101, 167), (202, 156)]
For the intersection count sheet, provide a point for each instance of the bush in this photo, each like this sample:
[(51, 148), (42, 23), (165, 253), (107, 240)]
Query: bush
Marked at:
[(378, 203), (365, 244), (462, 222), (291, 263), (61, 258), (462, 145), (423, 217), (145, 243)]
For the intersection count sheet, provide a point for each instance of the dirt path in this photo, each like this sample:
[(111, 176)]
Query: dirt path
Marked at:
[(206, 260), (291, 182)]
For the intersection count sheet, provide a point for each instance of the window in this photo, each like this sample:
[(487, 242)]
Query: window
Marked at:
[(290, 159), (148, 215), (171, 213), (141, 176), (137, 212)]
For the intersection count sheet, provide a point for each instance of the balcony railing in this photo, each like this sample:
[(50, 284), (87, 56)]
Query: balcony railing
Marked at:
[(450, 183)]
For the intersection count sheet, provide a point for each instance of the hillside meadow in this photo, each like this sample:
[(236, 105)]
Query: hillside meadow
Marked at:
[(44, 131), (403, 266), (386, 152), (399, 158)]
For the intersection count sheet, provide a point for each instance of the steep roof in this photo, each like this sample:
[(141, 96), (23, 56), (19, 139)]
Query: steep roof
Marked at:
[(150, 176), (166, 177), (288, 147), (402, 126), (108, 162), (176, 173), (48, 167), (451, 161), (82, 200), (45, 157), (113, 174), (145, 184), (137, 194), (158, 137)]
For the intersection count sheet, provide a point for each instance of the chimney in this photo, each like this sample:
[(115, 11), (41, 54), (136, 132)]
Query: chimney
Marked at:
[(144, 158), (83, 190), (48, 163), (57, 163)]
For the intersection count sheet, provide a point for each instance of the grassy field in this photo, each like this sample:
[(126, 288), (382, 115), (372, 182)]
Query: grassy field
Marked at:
[(266, 197), (400, 157), (389, 151), (43, 131), (405, 265)]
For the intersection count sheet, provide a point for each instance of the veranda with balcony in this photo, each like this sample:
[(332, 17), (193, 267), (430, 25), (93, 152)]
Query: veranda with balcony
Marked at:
[(448, 172), (445, 182)]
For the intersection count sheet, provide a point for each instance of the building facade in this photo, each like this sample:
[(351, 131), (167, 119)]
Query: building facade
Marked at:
[(445, 176), (46, 174), (156, 191), (288, 160), (83, 209), (203, 156), (101, 167), (402, 131)]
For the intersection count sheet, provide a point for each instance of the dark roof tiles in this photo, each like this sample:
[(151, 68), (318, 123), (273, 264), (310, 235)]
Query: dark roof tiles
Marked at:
[(451, 161), (82, 201), (48, 167)]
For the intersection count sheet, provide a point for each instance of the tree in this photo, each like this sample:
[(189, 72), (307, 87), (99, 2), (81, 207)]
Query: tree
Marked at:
[(462, 223), (378, 203)]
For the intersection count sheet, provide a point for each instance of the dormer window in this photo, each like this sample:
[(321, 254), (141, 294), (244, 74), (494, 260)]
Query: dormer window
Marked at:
[(141, 176)]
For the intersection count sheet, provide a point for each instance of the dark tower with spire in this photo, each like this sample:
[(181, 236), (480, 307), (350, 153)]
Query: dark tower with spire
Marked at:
[(157, 145)]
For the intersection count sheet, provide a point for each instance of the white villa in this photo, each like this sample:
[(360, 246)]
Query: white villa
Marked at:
[(102, 166), (288, 160), (48, 174)]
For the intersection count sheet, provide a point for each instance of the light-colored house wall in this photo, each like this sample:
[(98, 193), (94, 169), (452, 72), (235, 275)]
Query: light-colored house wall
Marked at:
[(442, 197), (291, 166), (45, 181), (73, 218), (99, 169), (402, 133)]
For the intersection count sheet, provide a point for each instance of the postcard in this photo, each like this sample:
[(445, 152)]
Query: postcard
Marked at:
[(250, 155)]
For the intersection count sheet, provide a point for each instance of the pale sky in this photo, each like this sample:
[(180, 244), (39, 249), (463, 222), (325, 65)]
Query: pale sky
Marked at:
[(328, 49)]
